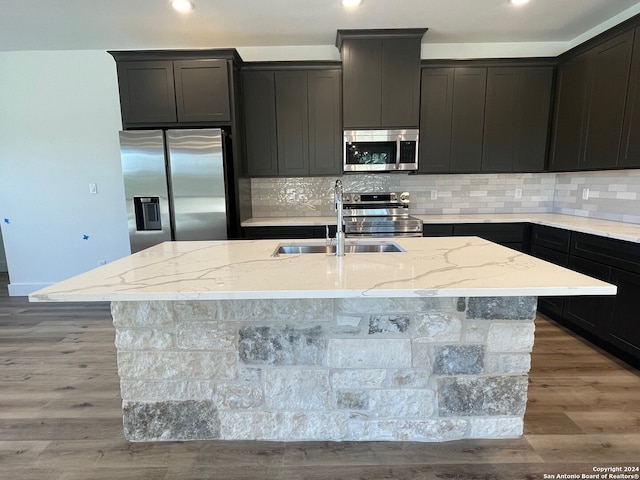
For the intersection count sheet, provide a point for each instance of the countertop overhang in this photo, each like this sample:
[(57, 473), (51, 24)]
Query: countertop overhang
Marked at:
[(245, 269)]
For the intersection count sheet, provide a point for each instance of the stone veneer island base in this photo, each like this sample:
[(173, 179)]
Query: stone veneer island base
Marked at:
[(220, 340), (416, 369)]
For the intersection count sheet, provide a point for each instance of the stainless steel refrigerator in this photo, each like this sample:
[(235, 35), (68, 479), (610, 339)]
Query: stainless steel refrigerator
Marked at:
[(174, 184)]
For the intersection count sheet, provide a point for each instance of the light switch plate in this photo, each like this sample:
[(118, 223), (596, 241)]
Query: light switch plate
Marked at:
[(93, 188), (585, 194), (434, 194)]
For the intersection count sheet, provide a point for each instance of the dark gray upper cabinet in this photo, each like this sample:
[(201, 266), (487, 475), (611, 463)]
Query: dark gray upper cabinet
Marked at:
[(260, 123), (516, 119), (293, 121), (147, 92), (467, 122), (325, 122), (436, 110), (607, 93), (590, 106), (202, 90), (452, 119), (571, 91), (381, 77), (630, 145), (362, 83), (163, 88)]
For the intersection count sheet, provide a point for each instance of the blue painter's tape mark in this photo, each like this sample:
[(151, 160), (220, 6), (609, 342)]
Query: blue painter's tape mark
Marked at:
[(85, 237), (6, 220)]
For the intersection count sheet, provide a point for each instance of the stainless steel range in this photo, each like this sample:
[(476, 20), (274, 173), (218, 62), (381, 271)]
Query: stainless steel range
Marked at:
[(379, 215)]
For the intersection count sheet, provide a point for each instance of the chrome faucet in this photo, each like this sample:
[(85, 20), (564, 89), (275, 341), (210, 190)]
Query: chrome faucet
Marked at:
[(339, 232)]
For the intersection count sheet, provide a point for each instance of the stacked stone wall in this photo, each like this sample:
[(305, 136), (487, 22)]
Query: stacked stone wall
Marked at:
[(411, 369)]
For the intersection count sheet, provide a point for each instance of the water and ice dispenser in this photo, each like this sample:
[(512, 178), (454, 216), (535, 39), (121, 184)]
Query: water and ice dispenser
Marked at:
[(147, 212)]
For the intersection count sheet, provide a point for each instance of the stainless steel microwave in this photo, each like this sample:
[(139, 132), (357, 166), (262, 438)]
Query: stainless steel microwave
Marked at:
[(380, 150)]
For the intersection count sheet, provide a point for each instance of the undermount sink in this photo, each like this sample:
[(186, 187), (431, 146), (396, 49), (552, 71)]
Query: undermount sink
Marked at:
[(361, 247)]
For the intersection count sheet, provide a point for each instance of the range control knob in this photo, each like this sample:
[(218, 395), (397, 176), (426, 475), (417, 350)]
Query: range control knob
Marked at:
[(404, 197), (356, 198), (346, 197)]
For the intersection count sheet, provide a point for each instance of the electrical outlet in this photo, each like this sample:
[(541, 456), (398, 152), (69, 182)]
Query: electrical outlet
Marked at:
[(434, 194), (518, 193), (93, 188), (585, 194)]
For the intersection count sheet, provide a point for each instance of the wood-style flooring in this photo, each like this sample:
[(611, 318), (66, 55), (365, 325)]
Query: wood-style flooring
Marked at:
[(60, 417)]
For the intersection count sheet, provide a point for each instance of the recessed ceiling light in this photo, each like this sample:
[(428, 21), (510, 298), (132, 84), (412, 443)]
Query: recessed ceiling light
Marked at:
[(518, 3), (182, 5), (351, 3)]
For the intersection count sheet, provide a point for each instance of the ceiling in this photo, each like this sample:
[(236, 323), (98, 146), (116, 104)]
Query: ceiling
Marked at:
[(151, 24)]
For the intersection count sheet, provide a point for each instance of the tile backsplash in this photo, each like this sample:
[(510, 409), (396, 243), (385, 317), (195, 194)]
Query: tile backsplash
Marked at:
[(612, 194)]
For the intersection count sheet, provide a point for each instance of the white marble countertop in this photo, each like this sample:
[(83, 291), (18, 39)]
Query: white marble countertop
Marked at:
[(605, 228), (246, 269)]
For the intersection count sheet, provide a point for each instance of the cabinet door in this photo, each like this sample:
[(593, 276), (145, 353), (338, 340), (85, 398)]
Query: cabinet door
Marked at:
[(202, 90), (533, 118), (147, 92), (571, 90), (260, 123), (517, 119), (467, 126), (292, 120), (552, 305), (400, 83), (630, 149), (500, 121), (436, 110), (362, 82), (624, 331), (591, 313), (325, 126), (609, 76)]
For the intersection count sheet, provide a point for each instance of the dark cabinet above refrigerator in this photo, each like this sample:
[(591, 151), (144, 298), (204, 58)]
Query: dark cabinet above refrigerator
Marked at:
[(159, 89)]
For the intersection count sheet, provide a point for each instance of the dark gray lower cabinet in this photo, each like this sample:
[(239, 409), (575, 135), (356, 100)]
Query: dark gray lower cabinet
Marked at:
[(512, 235), (611, 322), (624, 331), (590, 313), (280, 233)]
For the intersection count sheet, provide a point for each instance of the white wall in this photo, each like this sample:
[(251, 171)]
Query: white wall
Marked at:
[(3, 259), (59, 123)]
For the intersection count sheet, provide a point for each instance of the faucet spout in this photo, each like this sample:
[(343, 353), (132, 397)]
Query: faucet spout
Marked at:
[(340, 219)]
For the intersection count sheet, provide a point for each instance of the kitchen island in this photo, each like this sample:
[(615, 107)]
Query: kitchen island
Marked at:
[(223, 340)]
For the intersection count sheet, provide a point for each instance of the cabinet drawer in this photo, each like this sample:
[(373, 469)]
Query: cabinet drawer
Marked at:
[(591, 313), (549, 255), (437, 230), (550, 237), (616, 253), (494, 232)]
